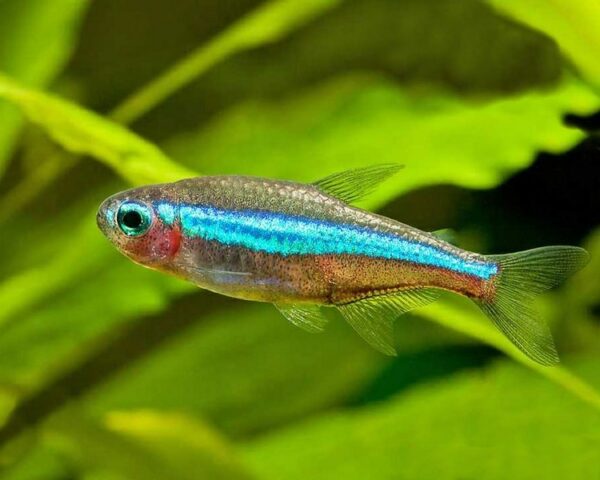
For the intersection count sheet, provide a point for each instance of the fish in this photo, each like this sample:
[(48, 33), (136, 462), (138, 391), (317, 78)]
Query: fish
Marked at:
[(308, 247)]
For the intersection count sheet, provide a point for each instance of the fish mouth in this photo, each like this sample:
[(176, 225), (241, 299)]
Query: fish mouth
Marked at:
[(105, 216)]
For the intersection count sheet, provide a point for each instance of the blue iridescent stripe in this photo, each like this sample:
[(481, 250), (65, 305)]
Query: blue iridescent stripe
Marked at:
[(166, 212), (283, 234)]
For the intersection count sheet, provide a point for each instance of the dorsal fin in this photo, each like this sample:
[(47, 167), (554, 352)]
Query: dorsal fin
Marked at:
[(447, 235), (352, 185)]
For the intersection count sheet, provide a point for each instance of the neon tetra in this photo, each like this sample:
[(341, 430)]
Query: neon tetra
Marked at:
[(303, 247)]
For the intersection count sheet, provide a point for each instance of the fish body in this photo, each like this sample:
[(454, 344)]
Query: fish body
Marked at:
[(305, 246)]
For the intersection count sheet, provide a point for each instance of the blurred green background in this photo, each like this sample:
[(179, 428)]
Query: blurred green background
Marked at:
[(109, 371)]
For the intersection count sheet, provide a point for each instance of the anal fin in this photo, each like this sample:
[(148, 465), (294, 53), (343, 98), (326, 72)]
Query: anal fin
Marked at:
[(373, 318), (308, 317)]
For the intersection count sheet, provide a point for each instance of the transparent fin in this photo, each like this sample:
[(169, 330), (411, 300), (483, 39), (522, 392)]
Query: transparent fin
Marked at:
[(373, 318), (214, 274), (446, 234), (212, 271), (522, 276), (352, 185), (307, 317), (217, 271)]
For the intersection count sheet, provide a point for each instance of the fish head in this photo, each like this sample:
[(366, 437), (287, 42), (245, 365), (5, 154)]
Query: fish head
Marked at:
[(143, 224)]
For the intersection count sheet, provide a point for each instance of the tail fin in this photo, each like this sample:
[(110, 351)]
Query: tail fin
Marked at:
[(522, 276)]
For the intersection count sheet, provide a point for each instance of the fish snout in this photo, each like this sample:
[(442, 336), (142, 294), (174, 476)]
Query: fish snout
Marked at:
[(105, 218)]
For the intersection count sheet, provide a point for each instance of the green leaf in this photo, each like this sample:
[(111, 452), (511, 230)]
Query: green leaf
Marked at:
[(390, 36), (262, 371), (579, 301), (575, 25), (355, 117), (93, 296), (337, 137), (74, 312), (357, 121), (129, 445), (461, 315), (36, 39), (80, 131), (40, 462), (194, 449), (84, 132), (268, 23), (504, 423), (236, 351), (239, 355), (144, 446)]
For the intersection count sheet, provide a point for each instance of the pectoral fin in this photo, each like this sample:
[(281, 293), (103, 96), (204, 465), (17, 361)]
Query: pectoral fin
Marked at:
[(307, 317), (217, 275)]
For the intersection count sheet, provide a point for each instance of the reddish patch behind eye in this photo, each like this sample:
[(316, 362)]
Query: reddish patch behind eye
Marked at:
[(174, 240), (158, 245)]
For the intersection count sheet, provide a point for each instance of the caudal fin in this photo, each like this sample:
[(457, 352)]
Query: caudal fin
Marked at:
[(522, 276)]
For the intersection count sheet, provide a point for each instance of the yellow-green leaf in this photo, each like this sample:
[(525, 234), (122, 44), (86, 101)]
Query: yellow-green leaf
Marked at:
[(36, 38), (357, 121), (262, 370), (502, 423), (190, 446), (574, 24), (83, 132), (185, 451), (268, 23)]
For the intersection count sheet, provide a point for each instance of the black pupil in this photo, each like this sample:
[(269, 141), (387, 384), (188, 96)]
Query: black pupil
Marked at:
[(132, 220)]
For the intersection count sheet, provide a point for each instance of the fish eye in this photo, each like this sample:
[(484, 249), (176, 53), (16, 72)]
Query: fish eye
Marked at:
[(134, 219)]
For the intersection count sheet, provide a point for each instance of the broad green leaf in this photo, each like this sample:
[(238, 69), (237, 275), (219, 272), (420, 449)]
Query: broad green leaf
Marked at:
[(504, 423), (36, 38), (262, 371), (351, 100), (91, 292), (269, 22), (356, 121), (84, 132), (266, 24), (233, 401), (80, 255), (66, 217), (128, 446), (40, 462), (575, 25), (582, 300), (187, 452), (461, 315), (237, 352), (112, 142), (190, 446), (412, 42), (245, 369), (81, 132)]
